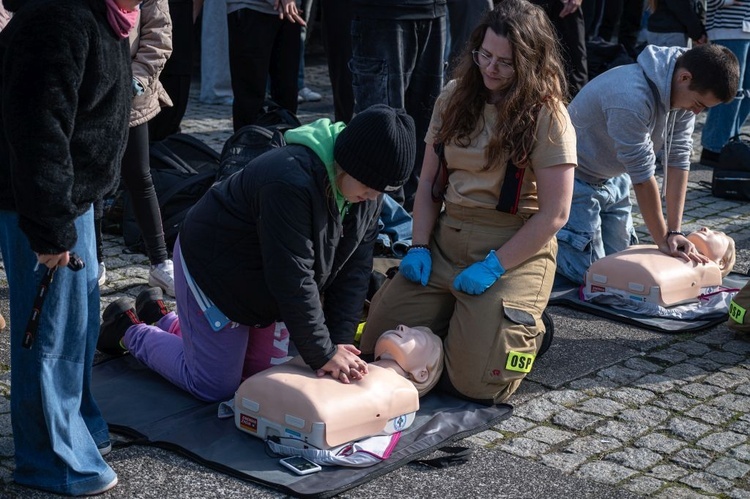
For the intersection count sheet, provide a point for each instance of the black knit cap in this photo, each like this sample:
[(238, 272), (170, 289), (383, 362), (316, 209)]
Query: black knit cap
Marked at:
[(378, 147)]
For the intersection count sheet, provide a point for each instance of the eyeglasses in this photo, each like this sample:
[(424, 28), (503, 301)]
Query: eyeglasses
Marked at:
[(483, 60)]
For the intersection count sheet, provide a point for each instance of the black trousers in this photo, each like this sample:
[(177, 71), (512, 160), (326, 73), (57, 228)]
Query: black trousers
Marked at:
[(136, 176), (262, 47), (627, 15), (571, 31), (176, 74), (336, 19), (463, 16)]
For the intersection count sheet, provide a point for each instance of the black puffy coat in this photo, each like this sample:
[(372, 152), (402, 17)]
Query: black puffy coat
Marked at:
[(65, 96), (676, 16), (268, 244)]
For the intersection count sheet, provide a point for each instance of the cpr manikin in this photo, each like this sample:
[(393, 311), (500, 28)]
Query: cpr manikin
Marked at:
[(306, 411), (642, 273)]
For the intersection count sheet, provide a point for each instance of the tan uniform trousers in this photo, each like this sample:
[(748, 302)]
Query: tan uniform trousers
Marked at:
[(739, 319), (490, 339)]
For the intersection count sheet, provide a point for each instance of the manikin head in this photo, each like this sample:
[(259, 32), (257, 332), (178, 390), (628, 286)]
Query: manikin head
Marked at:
[(716, 245), (417, 350)]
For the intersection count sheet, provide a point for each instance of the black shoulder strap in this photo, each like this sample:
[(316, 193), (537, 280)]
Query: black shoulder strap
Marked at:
[(440, 182), (510, 192), (183, 185), (453, 455)]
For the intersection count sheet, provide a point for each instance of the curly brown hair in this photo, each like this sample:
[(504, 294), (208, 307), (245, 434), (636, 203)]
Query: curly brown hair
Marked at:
[(538, 80)]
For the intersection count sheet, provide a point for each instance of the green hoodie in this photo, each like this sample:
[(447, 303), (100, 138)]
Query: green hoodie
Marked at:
[(320, 135)]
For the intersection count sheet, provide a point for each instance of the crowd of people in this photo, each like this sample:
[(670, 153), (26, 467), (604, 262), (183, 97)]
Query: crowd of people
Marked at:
[(476, 116)]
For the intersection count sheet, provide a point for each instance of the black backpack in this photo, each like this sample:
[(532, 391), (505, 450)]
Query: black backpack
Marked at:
[(182, 151), (183, 168), (731, 175), (251, 141)]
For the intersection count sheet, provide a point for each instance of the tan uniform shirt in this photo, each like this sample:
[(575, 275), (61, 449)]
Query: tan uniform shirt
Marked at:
[(471, 186)]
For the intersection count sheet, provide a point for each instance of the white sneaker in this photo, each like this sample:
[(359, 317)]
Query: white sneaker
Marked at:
[(307, 95), (162, 276), (103, 489), (102, 276)]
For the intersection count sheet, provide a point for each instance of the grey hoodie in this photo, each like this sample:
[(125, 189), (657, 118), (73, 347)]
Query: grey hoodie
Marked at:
[(622, 117)]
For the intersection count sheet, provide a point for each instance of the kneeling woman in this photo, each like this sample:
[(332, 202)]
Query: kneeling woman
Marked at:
[(480, 273), (289, 238)]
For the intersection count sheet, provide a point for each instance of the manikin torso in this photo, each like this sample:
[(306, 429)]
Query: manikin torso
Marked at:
[(646, 274), (290, 401)]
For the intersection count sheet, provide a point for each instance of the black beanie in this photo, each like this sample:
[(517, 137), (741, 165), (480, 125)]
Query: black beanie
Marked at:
[(378, 147)]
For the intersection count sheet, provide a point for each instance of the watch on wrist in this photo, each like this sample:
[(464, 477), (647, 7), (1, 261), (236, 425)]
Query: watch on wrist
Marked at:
[(674, 233)]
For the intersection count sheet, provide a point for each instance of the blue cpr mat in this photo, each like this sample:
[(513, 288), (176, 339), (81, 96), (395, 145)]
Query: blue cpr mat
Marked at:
[(565, 293), (141, 404)]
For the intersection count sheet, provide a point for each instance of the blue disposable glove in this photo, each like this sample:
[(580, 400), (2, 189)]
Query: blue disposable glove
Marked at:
[(417, 265), (477, 277)]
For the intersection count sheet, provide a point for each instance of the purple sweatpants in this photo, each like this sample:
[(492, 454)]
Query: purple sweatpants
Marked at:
[(206, 363)]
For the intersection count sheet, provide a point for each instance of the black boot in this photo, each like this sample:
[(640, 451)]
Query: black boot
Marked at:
[(149, 305), (116, 319)]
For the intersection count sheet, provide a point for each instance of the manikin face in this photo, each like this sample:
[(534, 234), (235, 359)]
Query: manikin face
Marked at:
[(412, 349), (712, 243), (355, 191), (495, 60), (690, 100)]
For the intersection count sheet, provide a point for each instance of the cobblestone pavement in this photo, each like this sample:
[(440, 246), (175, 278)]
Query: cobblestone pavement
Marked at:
[(647, 413)]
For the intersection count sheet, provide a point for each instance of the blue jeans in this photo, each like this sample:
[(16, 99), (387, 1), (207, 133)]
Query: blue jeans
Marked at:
[(399, 63), (724, 121), (216, 82), (306, 11), (56, 422), (600, 223), (394, 232), (667, 39)]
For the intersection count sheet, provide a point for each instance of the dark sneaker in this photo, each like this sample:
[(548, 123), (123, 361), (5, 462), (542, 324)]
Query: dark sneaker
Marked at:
[(116, 319), (104, 447), (549, 333), (149, 305), (709, 158)]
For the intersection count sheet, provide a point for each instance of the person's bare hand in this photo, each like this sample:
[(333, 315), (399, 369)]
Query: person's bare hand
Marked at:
[(680, 247), (56, 260), (702, 40), (287, 9), (345, 365), (569, 6)]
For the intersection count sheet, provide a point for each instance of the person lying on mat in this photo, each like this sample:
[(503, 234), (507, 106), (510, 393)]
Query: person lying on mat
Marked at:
[(480, 272), (288, 238), (643, 273)]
